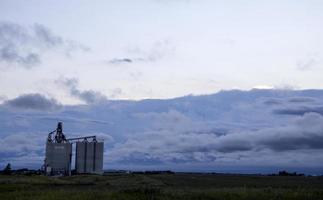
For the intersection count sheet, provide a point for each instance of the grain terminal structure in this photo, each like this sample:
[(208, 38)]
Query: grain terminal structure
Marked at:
[(88, 157), (89, 154)]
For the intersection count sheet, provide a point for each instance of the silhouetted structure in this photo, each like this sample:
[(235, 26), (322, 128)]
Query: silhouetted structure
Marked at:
[(89, 155), (58, 153), (7, 169)]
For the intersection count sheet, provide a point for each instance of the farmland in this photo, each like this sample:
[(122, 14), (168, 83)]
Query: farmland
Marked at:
[(160, 186)]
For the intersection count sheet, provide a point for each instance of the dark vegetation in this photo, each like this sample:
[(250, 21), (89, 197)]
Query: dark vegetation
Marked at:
[(285, 173), (24, 171), (160, 186), (7, 170)]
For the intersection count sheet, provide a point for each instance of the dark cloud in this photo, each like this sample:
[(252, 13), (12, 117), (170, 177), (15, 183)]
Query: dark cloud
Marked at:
[(25, 46), (178, 135), (20, 143), (306, 132), (22, 149), (12, 37), (167, 145), (299, 110), (36, 102), (272, 101), (302, 100), (88, 96), (9, 54), (294, 105), (46, 37), (120, 60), (231, 128)]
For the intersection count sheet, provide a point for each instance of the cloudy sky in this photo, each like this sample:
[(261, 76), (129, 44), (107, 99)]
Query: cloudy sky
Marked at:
[(91, 64)]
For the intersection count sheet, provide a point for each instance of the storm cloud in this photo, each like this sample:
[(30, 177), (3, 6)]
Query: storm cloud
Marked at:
[(229, 128), (305, 132), (36, 102), (299, 106)]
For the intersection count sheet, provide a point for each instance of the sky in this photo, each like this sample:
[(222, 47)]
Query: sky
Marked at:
[(127, 70), (160, 48)]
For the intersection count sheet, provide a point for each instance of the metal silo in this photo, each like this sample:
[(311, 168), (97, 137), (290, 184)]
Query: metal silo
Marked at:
[(89, 157), (98, 157)]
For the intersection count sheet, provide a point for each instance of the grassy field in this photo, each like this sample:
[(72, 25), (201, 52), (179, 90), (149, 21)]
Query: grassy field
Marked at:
[(160, 186)]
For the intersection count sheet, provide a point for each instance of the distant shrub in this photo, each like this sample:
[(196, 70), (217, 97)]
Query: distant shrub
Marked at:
[(7, 170), (285, 173)]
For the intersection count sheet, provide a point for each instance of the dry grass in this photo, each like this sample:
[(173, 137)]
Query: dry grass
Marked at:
[(164, 186)]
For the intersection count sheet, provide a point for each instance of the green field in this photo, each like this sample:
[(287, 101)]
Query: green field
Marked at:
[(160, 186)]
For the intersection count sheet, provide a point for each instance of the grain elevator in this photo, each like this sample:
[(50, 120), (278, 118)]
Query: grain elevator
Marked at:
[(89, 157), (59, 150)]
